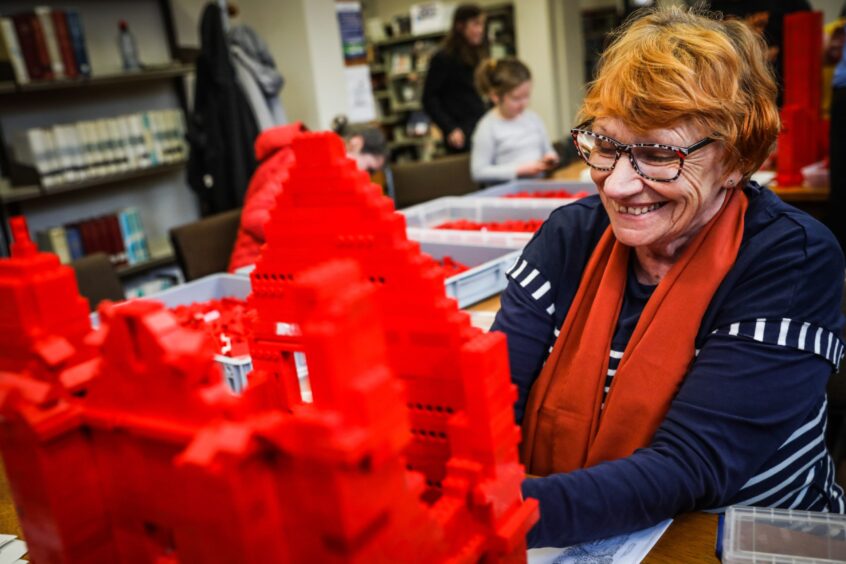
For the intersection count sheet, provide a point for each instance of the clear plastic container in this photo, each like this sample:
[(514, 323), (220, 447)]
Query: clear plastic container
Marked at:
[(758, 535)]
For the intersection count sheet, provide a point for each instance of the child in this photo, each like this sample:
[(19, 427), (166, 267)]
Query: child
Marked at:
[(510, 140)]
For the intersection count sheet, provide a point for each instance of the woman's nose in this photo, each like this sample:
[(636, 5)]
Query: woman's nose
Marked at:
[(623, 181)]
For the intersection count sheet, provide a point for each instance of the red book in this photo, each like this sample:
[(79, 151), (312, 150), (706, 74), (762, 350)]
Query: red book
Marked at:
[(60, 24), (41, 47), (33, 46), (87, 234), (115, 239), (101, 235)]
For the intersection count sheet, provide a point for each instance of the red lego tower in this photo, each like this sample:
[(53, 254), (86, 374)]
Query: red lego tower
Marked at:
[(130, 449), (800, 142), (329, 209)]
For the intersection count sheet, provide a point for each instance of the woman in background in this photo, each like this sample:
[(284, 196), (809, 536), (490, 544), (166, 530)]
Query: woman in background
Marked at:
[(510, 140), (449, 94)]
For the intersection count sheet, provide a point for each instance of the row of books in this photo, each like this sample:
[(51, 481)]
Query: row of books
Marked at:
[(86, 149), (43, 44), (120, 235)]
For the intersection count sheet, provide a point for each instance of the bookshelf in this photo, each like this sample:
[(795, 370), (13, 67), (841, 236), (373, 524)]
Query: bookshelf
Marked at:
[(398, 72), (159, 192), (119, 79), (10, 194)]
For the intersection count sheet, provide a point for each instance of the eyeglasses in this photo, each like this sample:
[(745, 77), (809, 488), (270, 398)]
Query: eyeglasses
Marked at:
[(653, 161)]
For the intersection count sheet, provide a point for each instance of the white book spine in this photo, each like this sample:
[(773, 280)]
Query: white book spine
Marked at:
[(13, 47), (151, 140), (89, 156), (100, 159), (119, 144), (51, 159), (65, 158), (179, 119), (76, 149), (45, 17), (126, 136), (136, 126), (106, 146)]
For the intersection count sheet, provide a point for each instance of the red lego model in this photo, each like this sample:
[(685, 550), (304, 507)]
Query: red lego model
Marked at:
[(123, 445), (800, 142)]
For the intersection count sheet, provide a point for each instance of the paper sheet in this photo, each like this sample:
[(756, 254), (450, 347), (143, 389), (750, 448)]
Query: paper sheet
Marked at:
[(11, 549), (622, 549)]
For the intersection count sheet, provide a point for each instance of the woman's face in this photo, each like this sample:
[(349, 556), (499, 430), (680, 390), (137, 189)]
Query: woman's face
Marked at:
[(473, 30), (661, 216)]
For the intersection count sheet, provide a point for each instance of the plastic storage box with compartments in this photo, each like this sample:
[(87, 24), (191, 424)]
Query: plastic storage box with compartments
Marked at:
[(759, 534), (422, 220), (214, 287), (535, 188)]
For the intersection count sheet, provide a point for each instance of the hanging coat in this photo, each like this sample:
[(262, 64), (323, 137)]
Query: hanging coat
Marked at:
[(222, 128)]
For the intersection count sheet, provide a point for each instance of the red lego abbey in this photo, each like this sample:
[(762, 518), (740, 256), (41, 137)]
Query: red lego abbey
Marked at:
[(123, 445)]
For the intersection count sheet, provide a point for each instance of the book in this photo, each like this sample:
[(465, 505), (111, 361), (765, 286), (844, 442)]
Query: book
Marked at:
[(77, 37), (119, 144), (51, 41), (64, 151), (74, 239), (126, 231), (89, 241), (60, 26), (41, 46), (116, 245), (135, 239), (13, 49), (54, 240), (32, 45)]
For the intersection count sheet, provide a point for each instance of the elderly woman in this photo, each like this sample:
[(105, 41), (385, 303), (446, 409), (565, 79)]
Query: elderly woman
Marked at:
[(671, 338)]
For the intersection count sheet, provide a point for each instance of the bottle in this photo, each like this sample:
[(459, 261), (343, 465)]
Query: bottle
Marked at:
[(128, 48)]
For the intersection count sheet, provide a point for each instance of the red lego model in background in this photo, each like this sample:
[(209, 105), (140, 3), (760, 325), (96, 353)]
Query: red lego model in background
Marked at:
[(124, 445), (802, 139)]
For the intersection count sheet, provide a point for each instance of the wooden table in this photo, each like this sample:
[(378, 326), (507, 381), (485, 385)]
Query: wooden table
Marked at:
[(691, 539)]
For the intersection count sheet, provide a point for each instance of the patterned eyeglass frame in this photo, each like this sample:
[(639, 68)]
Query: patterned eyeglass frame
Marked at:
[(682, 152)]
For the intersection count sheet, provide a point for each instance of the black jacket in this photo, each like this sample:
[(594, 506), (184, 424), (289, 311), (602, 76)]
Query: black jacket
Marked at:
[(222, 128), (450, 97)]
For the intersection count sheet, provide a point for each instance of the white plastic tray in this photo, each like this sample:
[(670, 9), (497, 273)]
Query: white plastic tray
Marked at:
[(429, 215), (486, 276), (535, 186)]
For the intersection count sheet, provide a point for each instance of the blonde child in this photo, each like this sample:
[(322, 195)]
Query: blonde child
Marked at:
[(510, 140)]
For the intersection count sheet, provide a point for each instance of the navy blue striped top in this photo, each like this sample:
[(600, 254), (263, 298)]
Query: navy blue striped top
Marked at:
[(747, 425)]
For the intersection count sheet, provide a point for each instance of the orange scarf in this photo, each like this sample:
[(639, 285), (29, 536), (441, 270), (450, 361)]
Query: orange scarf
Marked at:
[(562, 428)]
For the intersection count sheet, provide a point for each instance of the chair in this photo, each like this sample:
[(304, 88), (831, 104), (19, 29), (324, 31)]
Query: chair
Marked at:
[(203, 247), (97, 279), (415, 183)]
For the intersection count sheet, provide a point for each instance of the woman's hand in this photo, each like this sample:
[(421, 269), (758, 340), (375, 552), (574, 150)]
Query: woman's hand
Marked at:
[(456, 138)]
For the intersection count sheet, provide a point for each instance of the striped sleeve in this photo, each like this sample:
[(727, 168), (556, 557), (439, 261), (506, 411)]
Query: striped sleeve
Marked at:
[(790, 333), (530, 279)]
